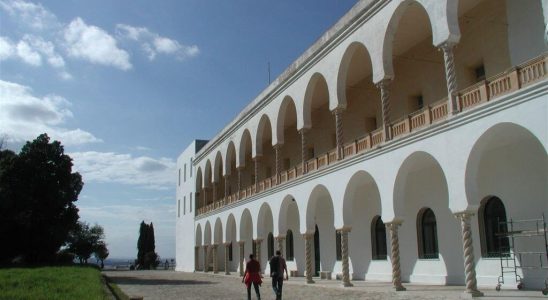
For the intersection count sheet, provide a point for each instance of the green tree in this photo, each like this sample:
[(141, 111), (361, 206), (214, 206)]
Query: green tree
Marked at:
[(37, 194), (101, 253), (84, 240), (146, 255)]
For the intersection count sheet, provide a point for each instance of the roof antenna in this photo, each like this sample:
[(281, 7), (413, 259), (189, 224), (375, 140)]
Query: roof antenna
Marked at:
[(268, 72)]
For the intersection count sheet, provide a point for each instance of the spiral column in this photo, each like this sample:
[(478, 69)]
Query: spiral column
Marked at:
[(227, 251), (303, 149), (344, 250), (215, 260), (308, 240), (468, 249), (450, 75), (240, 170), (339, 130), (205, 259), (280, 239), (241, 243), (278, 153), (395, 255), (384, 85)]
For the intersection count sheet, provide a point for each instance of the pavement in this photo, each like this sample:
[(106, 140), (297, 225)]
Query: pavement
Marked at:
[(181, 285)]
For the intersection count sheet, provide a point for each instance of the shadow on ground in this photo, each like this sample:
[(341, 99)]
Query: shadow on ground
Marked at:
[(150, 281)]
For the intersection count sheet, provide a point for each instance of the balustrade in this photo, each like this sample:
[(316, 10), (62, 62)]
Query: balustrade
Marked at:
[(487, 90)]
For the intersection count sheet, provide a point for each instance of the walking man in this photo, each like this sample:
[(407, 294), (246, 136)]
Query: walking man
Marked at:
[(277, 268)]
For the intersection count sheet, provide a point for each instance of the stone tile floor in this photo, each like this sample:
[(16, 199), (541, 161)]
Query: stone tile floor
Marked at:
[(181, 285)]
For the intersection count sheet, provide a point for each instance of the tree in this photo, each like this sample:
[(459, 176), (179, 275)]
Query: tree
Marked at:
[(84, 240), (146, 255), (101, 253), (37, 194)]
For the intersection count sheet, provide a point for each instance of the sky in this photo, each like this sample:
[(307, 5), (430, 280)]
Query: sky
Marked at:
[(126, 85)]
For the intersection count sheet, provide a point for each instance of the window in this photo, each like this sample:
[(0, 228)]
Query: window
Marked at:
[(480, 73), (230, 252), (190, 203), (178, 208), (493, 216), (289, 253), (378, 239), (270, 245), (179, 180), (338, 245), (184, 173), (184, 205), (427, 234)]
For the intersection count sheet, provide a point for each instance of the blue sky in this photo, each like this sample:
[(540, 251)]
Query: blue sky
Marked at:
[(127, 85)]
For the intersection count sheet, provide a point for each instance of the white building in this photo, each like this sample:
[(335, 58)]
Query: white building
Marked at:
[(387, 151)]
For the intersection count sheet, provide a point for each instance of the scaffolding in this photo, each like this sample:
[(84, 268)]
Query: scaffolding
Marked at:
[(532, 253)]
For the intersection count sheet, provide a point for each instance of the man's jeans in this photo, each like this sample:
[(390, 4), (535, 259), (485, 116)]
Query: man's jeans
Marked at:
[(277, 285)]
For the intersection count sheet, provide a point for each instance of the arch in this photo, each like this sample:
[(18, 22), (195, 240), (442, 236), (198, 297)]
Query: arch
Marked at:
[(427, 234), (492, 220), (198, 240), (230, 158), (289, 205), (403, 8), (208, 174), (317, 88), (207, 234), (245, 144), (218, 167), (356, 60), (264, 221), (286, 113), (218, 232), (320, 217), (246, 225), (361, 187), (264, 132), (515, 157)]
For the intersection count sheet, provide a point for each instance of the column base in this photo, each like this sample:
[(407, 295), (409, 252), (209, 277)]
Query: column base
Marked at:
[(400, 288), (310, 281), (227, 273), (471, 294), (347, 284)]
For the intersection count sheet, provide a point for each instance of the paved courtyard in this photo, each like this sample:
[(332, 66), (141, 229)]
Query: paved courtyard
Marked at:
[(180, 285)]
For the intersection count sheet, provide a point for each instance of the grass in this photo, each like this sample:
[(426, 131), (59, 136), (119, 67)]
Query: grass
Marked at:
[(52, 283)]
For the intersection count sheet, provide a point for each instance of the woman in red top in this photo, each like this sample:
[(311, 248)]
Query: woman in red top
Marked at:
[(252, 275)]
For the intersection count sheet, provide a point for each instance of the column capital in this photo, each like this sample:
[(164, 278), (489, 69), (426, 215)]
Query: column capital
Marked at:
[(339, 109), (345, 229), (278, 146), (303, 130), (241, 243), (383, 83), (258, 240), (280, 237), (395, 223), (257, 157), (227, 244), (240, 168), (308, 235), (447, 45), (464, 215)]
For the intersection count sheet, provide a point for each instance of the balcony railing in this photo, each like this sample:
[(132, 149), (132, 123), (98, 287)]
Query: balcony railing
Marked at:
[(526, 74)]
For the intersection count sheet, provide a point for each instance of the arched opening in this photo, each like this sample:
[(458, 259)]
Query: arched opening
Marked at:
[(246, 233), (427, 234), (247, 172), (317, 116), (378, 239), (265, 227), (418, 66), (208, 183), (199, 195), (355, 86), (287, 132), (265, 151), (290, 248), (320, 217), (492, 222), (231, 169)]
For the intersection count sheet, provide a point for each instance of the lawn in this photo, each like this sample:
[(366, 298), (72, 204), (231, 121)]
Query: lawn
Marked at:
[(51, 283)]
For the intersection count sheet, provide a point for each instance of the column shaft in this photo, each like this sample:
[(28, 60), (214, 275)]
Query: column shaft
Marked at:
[(468, 249), (278, 153), (242, 243), (303, 149), (450, 76), (395, 255), (227, 252), (206, 267), (227, 186), (339, 131), (383, 85), (344, 250), (308, 240), (215, 260), (257, 161)]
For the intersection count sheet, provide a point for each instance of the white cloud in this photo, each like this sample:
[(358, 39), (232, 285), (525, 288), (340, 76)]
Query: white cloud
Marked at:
[(29, 14), (24, 116), (124, 168), (153, 44), (31, 49), (95, 45)]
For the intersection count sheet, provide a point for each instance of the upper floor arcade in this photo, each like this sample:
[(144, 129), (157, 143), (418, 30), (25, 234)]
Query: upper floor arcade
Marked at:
[(388, 69)]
